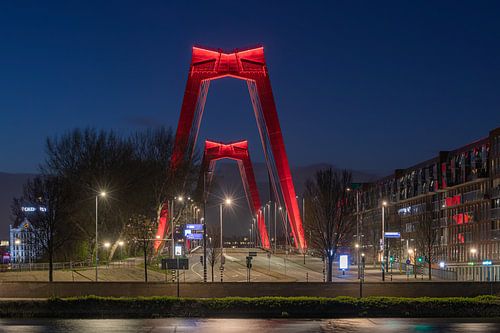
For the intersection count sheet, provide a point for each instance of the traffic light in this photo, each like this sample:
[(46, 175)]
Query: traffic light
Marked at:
[(249, 262), (201, 259), (391, 258), (420, 259)]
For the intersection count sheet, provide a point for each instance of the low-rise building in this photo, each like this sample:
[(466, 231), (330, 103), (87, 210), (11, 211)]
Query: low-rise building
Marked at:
[(24, 247)]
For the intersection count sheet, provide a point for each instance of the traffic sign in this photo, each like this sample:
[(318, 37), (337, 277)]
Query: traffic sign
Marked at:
[(180, 263), (392, 234), (198, 227), (194, 236)]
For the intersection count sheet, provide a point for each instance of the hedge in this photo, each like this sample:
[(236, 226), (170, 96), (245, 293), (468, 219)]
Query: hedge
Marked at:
[(260, 307)]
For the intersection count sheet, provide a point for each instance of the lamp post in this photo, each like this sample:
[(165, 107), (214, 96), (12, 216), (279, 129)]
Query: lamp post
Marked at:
[(254, 236), (120, 244), (102, 194), (473, 252), (275, 236), (384, 203), (226, 202), (179, 198), (106, 246)]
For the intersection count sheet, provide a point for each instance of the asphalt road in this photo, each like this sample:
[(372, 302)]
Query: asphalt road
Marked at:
[(248, 325), (265, 268)]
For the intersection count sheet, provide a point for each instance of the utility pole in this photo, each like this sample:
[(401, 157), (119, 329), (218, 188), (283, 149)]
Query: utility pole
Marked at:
[(303, 222), (205, 195), (383, 240), (357, 233), (275, 236), (96, 240), (172, 227)]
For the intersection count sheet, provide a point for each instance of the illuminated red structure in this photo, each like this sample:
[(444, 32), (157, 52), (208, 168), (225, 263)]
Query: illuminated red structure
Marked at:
[(250, 66), (237, 151)]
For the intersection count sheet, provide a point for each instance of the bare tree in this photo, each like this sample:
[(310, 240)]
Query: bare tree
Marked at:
[(47, 233), (329, 213), (373, 237), (141, 231), (427, 235), (213, 246)]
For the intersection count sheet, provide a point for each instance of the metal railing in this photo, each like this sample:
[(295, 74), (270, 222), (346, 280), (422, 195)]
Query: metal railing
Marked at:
[(70, 265), (443, 274)]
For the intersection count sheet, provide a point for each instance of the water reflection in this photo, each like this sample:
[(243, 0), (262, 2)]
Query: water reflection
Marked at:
[(247, 325)]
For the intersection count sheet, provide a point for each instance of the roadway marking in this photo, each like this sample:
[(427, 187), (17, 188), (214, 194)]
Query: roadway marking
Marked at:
[(192, 270)]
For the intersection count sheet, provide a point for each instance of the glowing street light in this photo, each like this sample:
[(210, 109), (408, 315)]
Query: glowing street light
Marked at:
[(101, 194), (107, 245), (384, 204), (227, 202)]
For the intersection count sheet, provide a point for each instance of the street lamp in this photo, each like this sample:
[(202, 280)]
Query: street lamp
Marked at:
[(180, 199), (384, 204), (120, 244), (106, 246), (226, 202), (473, 252), (102, 194)]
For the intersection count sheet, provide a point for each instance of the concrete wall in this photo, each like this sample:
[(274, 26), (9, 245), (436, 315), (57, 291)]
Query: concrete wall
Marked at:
[(130, 289)]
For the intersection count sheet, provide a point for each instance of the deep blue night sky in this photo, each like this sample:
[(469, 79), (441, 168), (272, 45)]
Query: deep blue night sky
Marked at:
[(365, 85)]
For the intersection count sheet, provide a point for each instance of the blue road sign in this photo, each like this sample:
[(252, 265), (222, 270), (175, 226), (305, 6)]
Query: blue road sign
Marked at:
[(194, 236), (392, 234), (197, 227)]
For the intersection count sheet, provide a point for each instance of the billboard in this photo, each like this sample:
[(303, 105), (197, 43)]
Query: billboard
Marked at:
[(343, 262)]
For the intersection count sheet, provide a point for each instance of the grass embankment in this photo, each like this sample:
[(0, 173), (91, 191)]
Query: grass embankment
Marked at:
[(262, 307)]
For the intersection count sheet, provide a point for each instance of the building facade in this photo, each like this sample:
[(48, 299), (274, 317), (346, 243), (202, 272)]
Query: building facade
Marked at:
[(456, 194), (23, 245)]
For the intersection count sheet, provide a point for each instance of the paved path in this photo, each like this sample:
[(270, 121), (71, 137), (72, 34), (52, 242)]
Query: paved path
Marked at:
[(265, 268)]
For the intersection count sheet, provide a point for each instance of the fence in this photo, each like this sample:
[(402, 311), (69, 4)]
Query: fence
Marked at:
[(477, 273), (70, 265), (447, 274)]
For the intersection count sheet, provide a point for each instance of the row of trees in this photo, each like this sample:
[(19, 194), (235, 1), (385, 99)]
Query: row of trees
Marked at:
[(131, 169)]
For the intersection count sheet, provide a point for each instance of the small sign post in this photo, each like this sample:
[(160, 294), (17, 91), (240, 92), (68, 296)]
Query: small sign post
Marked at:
[(176, 265), (343, 263)]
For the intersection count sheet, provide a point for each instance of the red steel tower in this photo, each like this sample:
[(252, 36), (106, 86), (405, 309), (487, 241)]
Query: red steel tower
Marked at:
[(250, 66), (237, 151)]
